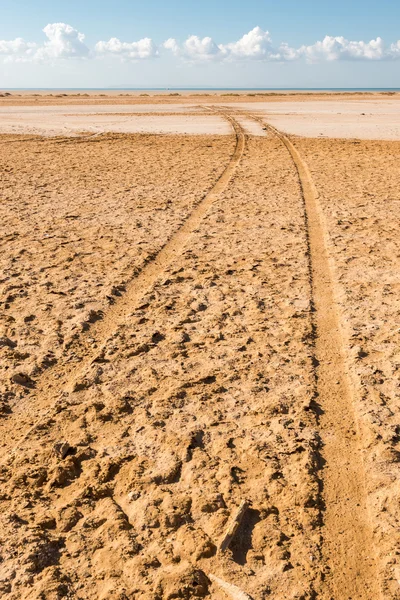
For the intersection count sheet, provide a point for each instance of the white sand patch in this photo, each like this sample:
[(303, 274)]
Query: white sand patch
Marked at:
[(364, 118), (82, 109), (251, 127), (341, 118), (70, 120)]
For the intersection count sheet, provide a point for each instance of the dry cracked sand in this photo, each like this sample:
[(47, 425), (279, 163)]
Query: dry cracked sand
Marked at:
[(190, 323)]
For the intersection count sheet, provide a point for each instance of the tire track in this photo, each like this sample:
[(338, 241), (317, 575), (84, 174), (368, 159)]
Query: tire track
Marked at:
[(64, 375), (347, 544), (347, 549)]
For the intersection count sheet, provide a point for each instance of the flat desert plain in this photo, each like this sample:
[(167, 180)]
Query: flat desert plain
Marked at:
[(200, 347)]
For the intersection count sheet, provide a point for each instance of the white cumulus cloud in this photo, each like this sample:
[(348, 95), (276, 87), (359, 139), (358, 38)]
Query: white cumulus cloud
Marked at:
[(16, 49), (202, 49), (255, 44), (394, 50), (63, 41), (144, 48), (195, 48), (172, 44), (338, 48)]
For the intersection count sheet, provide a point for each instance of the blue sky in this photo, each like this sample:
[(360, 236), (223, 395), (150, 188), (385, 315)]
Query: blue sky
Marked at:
[(211, 43)]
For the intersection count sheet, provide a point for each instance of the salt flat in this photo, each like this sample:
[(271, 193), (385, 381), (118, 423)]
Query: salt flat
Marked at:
[(363, 119), (372, 117), (72, 120)]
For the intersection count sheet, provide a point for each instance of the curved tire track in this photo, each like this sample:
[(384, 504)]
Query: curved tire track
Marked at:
[(65, 373)]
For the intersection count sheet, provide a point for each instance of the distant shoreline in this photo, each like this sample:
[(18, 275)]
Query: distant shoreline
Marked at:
[(204, 89)]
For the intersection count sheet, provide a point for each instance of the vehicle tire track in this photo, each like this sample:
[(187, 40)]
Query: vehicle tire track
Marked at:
[(63, 376), (347, 549)]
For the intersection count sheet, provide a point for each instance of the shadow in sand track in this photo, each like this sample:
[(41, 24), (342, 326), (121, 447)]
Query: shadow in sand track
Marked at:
[(243, 538)]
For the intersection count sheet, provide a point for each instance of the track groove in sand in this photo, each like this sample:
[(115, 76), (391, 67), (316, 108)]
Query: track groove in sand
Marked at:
[(347, 542), (64, 375)]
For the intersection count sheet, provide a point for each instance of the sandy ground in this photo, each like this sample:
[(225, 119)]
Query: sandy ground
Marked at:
[(189, 323)]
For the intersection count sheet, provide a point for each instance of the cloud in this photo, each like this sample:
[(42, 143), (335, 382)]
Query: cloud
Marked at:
[(338, 48), (63, 41), (195, 48), (286, 53), (172, 44), (257, 45), (201, 49), (254, 45), (16, 49), (395, 50), (142, 49)]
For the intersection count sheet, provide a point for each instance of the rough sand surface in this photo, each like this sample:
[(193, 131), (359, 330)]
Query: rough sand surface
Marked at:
[(362, 208), (211, 320), (79, 219), (197, 402)]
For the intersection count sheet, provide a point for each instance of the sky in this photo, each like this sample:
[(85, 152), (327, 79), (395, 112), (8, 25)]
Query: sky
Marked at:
[(201, 43)]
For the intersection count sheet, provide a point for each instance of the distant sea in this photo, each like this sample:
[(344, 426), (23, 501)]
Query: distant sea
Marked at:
[(205, 89)]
